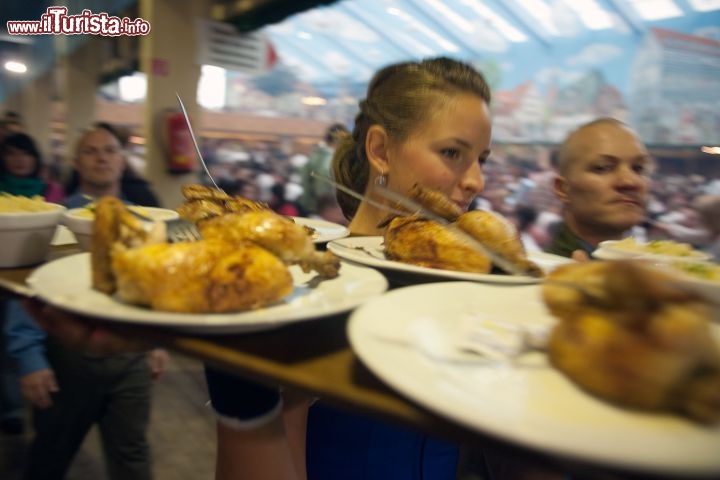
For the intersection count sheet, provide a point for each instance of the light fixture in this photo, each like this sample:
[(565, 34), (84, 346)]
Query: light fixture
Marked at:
[(711, 150), (487, 14), (412, 26), (541, 13), (313, 101), (15, 66)]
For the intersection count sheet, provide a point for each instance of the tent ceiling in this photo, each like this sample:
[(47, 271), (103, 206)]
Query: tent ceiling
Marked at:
[(338, 44), (348, 40)]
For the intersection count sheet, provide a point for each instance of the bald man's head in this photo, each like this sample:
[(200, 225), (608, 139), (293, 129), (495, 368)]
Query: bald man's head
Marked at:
[(583, 138)]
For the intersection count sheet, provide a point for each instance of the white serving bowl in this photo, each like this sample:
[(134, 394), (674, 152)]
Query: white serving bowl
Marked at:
[(80, 221), (25, 236)]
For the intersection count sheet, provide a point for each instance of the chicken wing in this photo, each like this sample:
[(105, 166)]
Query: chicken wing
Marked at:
[(643, 342)]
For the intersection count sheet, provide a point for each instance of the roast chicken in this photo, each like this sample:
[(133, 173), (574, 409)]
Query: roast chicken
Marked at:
[(241, 263), (203, 202), (198, 277), (419, 241), (236, 219), (426, 243), (277, 234), (634, 337)]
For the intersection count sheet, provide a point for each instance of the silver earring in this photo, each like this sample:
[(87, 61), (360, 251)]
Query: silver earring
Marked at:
[(381, 180)]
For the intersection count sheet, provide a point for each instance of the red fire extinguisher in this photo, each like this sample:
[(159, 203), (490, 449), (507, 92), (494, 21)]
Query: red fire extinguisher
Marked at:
[(181, 154)]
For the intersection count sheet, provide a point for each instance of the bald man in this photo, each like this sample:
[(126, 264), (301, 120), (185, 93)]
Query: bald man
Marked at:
[(603, 183)]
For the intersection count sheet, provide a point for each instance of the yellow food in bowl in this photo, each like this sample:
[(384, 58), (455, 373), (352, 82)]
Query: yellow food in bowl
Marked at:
[(701, 271), (88, 211), (80, 220), (19, 204), (27, 226), (668, 248)]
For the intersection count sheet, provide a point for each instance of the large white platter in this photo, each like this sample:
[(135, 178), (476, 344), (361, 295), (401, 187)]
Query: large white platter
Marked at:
[(526, 402), (371, 252), (65, 283), (324, 230)]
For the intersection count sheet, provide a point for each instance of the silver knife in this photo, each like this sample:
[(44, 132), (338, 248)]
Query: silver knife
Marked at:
[(412, 206), (194, 140), (416, 207)]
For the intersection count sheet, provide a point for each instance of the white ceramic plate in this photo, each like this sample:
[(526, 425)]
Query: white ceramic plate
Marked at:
[(370, 251), (325, 231), (63, 236), (65, 283), (528, 402)]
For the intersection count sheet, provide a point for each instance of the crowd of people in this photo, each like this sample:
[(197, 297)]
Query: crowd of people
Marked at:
[(425, 123), (520, 188)]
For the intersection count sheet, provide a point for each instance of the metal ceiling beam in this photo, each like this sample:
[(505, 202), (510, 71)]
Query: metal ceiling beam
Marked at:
[(513, 11), (310, 58), (354, 57), (439, 27), (363, 17), (628, 17), (685, 6)]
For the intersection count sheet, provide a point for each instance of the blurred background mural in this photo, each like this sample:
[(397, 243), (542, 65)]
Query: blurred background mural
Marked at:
[(552, 64)]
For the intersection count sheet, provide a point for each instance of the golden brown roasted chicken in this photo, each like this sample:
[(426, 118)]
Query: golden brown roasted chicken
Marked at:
[(240, 264), (198, 277), (115, 227), (639, 340), (237, 219), (277, 234), (426, 243), (413, 239), (203, 202)]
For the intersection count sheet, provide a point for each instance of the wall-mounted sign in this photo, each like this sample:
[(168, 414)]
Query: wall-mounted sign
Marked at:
[(220, 44)]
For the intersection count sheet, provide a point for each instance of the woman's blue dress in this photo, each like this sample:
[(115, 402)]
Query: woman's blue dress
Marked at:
[(342, 445)]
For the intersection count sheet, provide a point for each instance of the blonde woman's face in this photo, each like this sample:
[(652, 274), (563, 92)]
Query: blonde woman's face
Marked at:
[(446, 152)]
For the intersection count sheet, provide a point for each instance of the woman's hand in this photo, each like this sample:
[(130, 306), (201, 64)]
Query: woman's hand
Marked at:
[(580, 256), (80, 333), (37, 387), (158, 360)]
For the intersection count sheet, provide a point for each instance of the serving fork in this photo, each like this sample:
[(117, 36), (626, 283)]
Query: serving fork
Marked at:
[(179, 229)]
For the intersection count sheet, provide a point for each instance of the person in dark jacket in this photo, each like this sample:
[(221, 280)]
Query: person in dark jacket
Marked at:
[(71, 390), (101, 161), (603, 183)]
